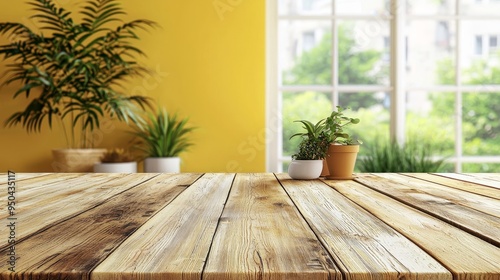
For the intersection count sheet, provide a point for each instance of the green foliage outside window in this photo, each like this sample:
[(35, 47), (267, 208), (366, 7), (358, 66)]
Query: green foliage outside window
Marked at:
[(481, 110)]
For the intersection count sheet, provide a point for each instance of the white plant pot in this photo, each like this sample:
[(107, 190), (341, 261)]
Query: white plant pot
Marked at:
[(116, 167), (305, 169), (162, 165)]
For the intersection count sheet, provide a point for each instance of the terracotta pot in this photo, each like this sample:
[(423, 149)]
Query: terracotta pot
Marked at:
[(162, 165), (116, 167), (341, 160), (305, 169), (324, 172), (76, 160)]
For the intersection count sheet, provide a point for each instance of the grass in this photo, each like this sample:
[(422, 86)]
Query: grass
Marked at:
[(415, 156)]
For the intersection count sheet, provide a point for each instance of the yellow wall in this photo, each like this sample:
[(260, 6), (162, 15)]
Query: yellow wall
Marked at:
[(210, 62)]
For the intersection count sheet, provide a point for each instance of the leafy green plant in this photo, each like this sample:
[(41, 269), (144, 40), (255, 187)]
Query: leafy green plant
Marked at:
[(334, 128), (164, 135), (314, 144), (414, 156), (68, 70)]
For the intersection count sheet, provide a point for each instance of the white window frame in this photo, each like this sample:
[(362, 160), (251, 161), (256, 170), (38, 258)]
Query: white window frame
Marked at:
[(397, 88)]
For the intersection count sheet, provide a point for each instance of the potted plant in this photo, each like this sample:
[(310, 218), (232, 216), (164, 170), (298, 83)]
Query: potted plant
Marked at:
[(308, 162), (162, 140), (116, 161), (343, 149), (69, 69)]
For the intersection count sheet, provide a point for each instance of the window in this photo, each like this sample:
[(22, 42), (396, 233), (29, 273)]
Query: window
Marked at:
[(406, 68), (493, 41), (479, 44), (309, 41)]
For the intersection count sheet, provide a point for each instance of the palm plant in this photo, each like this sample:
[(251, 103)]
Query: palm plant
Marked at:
[(164, 135), (69, 70)]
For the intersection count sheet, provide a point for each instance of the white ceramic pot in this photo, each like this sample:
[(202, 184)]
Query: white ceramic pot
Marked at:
[(116, 167), (162, 165), (305, 169)]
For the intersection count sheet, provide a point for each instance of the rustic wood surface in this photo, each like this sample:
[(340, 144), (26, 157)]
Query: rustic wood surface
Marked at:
[(251, 226)]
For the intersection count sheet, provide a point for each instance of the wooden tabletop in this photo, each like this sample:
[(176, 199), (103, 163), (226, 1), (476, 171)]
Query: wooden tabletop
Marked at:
[(249, 226)]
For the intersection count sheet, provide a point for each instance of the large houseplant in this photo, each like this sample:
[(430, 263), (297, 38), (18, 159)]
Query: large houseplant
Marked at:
[(343, 149), (162, 140), (307, 163), (69, 70)]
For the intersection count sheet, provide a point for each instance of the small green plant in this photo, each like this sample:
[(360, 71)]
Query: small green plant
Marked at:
[(314, 144), (334, 128), (164, 135), (414, 156), (116, 155)]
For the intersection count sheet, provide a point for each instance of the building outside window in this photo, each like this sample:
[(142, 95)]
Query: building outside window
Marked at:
[(493, 41), (409, 69)]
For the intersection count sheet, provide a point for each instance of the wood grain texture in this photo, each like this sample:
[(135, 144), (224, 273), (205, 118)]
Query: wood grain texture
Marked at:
[(63, 196), (453, 206), (73, 247), (26, 182), (487, 176), (22, 176), (175, 243), (494, 183), (461, 185), (458, 251), (253, 226), (360, 243), (261, 235)]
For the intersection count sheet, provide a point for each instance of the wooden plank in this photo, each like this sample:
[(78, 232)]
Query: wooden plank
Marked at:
[(35, 192), (489, 176), (21, 176), (457, 184), (439, 201), (23, 187), (262, 236), (363, 246), (466, 256), (175, 243), (473, 179), (438, 192), (63, 197), (28, 182), (73, 247)]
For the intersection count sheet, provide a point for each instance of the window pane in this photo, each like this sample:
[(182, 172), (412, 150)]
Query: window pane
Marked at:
[(493, 41), (430, 7), (430, 117), (373, 111), (484, 7), (311, 106), (430, 53), (364, 52), (478, 45), (305, 52), (304, 7), (361, 7), (480, 53), (284, 166), (481, 123)]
